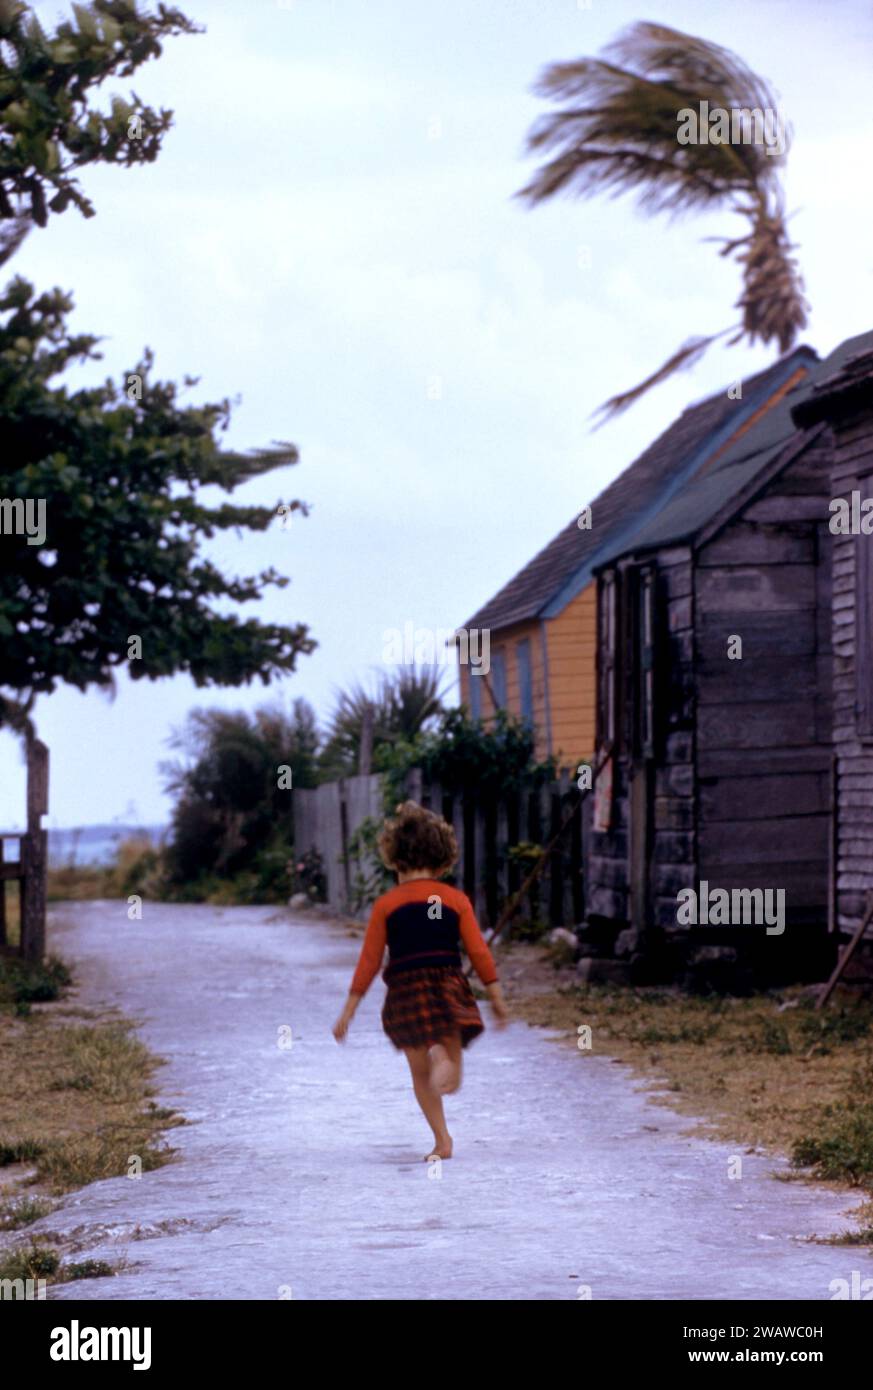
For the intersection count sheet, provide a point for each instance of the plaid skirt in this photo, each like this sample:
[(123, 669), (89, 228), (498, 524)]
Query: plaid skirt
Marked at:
[(427, 1004)]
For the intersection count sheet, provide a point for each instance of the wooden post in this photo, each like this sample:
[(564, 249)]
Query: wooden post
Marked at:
[(458, 827), (548, 877), (565, 806), (577, 857), (480, 897), (536, 836), (834, 846), (365, 752), (344, 841), (2, 900), (847, 954), (502, 852), (34, 853)]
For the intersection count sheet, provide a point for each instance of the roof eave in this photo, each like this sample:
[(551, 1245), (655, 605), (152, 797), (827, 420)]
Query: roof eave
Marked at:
[(592, 566)]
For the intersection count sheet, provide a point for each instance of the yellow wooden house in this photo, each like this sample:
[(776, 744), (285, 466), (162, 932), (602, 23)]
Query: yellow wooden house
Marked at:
[(543, 623)]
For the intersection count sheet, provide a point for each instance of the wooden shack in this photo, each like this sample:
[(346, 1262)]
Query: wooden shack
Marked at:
[(842, 401), (715, 710), (542, 624)]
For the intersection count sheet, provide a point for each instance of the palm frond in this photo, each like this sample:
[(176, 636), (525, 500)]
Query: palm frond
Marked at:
[(616, 131), (686, 356)]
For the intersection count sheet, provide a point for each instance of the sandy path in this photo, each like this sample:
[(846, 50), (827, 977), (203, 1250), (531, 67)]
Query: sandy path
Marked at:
[(301, 1171)]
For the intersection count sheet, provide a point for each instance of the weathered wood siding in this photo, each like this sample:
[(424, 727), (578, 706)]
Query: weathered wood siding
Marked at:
[(743, 763), (673, 850), (607, 877), (325, 819), (764, 720), (852, 469)]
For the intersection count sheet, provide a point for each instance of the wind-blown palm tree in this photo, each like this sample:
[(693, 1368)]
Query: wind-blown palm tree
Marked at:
[(617, 130), (401, 705)]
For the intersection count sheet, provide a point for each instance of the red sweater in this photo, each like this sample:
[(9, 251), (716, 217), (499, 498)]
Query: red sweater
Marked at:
[(422, 922)]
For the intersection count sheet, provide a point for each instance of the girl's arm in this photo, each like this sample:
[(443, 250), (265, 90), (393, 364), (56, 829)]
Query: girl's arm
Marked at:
[(476, 946), (369, 961), (482, 960)]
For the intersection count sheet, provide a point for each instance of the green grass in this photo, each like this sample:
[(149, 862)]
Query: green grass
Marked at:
[(23, 982), (23, 1212), (19, 1151), (88, 1269), (30, 1262), (43, 1262), (841, 1147)]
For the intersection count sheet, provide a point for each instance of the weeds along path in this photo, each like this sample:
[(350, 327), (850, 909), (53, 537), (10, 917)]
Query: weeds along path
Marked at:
[(299, 1173)]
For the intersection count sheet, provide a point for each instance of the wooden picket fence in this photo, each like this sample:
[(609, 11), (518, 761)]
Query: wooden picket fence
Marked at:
[(488, 827)]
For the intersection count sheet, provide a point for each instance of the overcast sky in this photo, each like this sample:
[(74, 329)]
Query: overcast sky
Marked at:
[(330, 234)]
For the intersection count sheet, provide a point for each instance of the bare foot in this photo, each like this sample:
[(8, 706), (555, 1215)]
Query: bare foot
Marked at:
[(441, 1149)]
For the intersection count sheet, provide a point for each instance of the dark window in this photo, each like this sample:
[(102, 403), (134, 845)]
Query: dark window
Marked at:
[(498, 679), (608, 647), (525, 680), (645, 664), (475, 682)]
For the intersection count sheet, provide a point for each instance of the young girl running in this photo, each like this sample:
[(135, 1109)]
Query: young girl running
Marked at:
[(430, 1012)]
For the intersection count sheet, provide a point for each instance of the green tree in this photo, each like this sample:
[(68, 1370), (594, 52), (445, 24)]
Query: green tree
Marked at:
[(120, 478), (51, 127), (234, 807), (616, 130), (117, 467)]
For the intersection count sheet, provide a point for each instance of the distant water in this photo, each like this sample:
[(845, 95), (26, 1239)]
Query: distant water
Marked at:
[(95, 844)]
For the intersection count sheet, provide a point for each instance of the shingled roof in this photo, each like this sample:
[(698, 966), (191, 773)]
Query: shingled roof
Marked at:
[(774, 439), (565, 566), (845, 385)]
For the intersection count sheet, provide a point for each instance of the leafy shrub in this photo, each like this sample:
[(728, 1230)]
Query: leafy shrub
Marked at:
[(24, 982), (842, 1148), (34, 1262), (465, 756), (138, 868), (308, 876), (232, 816), (371, 877), (827, 1027)]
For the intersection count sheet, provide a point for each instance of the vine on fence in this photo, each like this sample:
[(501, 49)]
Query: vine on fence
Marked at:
[(371, 878)]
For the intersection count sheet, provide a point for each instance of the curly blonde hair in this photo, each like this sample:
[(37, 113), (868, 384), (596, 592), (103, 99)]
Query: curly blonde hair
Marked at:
[(415, 838)]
